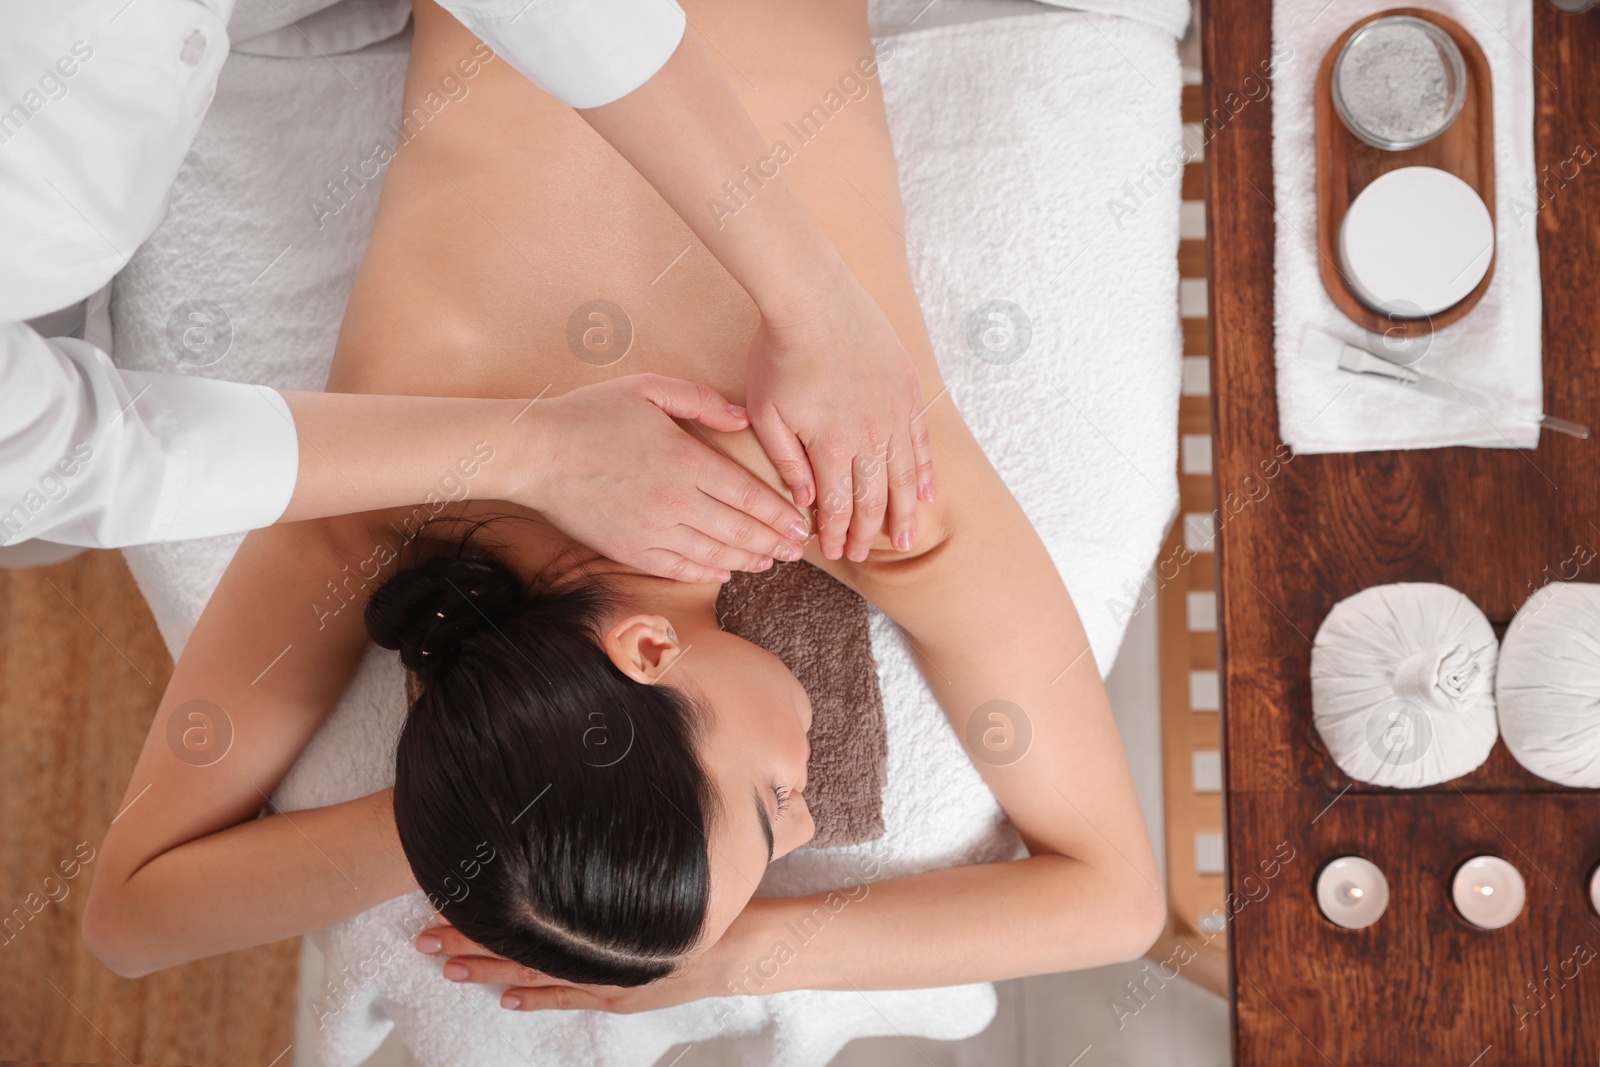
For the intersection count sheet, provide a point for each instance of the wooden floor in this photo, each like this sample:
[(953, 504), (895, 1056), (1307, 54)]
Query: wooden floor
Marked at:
[(81, 671)]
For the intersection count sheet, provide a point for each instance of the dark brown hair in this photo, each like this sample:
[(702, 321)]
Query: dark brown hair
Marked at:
[(555, 810)]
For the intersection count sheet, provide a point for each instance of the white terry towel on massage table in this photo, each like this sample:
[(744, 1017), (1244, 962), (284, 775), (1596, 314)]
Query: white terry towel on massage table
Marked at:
[(1012, 137)]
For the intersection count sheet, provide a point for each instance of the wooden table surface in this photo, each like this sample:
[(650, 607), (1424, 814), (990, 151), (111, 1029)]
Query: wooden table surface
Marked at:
[(1421, 986)]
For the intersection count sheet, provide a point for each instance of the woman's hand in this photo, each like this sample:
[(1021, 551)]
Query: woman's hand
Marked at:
[(529, 990), (836, 403), (616, 473)]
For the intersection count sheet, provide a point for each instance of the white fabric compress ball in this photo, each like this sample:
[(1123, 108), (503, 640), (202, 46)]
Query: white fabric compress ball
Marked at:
[(1549, 684), (1402, 685)]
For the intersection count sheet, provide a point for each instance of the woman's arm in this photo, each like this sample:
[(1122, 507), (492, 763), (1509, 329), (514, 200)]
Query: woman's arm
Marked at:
[(990, 619), (983, 923), (187, 868)]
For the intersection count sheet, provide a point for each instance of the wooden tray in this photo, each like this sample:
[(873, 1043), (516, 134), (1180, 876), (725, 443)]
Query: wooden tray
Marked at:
[(1346, 165)]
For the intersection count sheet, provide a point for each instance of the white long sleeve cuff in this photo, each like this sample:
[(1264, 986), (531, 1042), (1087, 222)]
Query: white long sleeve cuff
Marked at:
[(585, 53), (92, 455)]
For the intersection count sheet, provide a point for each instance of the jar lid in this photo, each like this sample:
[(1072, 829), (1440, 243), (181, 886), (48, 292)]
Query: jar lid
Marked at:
[(1416, 241)]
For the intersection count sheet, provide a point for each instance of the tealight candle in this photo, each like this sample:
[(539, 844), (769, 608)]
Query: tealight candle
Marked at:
[(1594, 890), (1352, 892), (1489, 892)]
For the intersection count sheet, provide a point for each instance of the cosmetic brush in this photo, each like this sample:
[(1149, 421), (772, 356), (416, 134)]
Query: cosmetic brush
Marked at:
[(1330, 351)]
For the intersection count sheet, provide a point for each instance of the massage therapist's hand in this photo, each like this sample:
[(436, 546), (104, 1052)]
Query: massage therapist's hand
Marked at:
[(529, 990), (836, 403), (616, 473)]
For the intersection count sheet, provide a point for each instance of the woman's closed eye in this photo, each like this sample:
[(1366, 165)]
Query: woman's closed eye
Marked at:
[(780, 797)]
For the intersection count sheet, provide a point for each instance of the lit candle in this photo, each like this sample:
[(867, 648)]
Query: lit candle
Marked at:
[(1352, 892), (1594, 889), (1489, 892)]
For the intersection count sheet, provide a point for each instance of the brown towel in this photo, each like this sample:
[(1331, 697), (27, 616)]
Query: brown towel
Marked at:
[(818, 627)]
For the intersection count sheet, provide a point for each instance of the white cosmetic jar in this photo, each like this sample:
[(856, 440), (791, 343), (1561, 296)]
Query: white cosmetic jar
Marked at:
[(1415, 241)]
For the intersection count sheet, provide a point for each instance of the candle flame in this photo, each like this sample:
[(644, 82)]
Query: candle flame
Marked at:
[(1486, 890), (1355, 892)]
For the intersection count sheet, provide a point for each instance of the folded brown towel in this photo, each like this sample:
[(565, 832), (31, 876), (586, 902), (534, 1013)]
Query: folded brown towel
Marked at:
[(818, 627)]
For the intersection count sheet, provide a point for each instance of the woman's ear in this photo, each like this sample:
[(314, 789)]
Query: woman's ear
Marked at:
[(643, 647)]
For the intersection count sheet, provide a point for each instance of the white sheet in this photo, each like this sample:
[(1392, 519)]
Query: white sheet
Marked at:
[(1013, 138)]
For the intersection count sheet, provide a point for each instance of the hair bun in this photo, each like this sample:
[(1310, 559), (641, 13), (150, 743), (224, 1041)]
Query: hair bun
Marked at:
[(427, 612)]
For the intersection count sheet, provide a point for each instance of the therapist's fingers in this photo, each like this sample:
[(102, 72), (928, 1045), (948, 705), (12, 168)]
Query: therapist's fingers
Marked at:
[(668, 563), (750, 515), (922, 447), (707, 551), (690, 400), (871, 477), (733, 528), (900, 523), (721, 477), (787, 453), (835, 501)]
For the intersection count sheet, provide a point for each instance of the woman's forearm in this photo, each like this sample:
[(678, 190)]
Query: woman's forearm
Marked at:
[(260, 881), (979, 923)]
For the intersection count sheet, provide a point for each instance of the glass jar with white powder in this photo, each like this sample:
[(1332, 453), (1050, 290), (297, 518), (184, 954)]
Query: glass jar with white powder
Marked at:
[(1399, 82)]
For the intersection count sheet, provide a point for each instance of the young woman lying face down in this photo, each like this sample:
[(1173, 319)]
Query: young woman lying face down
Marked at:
[(617, 865)]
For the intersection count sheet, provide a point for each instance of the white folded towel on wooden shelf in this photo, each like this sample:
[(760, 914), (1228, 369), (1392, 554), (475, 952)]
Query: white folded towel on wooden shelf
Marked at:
[(1496, 346)]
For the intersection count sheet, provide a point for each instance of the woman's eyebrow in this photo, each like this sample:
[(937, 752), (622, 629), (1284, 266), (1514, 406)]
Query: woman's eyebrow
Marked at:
[(766, 821)]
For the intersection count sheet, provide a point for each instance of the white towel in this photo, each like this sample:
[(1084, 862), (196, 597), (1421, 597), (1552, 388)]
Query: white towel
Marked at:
[(1495, 346), (329, 27), (1012, 139), (890, 17)]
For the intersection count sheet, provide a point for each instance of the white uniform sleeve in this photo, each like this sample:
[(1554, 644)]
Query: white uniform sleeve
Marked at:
[(98, 106), (585, 53), (91, 455)]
